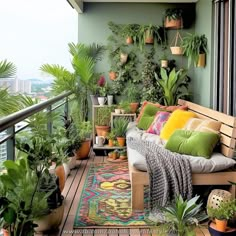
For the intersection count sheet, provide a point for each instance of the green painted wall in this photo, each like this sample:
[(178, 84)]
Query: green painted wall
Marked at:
[(92, 24), (202, 89)]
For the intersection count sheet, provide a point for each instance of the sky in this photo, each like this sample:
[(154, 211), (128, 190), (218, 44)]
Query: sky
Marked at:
[(35, 32)]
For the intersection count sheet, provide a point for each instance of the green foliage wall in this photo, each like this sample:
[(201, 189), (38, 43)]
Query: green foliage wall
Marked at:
[(93, 26)]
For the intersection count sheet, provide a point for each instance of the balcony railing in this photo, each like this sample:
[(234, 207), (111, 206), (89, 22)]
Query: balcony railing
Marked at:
[(8, 129)]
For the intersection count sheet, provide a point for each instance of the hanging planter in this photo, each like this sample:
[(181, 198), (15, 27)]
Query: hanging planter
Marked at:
[(112, 75), (201, 60), (173, 18), (129, 40), (123, 57), (164, 63), (176, 49)]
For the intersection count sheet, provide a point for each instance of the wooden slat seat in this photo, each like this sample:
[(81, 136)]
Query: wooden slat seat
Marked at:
[(228, 139)]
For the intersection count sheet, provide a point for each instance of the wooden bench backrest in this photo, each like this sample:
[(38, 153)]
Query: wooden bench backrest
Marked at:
[(228, 127)]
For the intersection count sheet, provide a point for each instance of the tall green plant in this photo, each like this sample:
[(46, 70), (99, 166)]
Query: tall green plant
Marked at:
[(173, 85), (80, 81)]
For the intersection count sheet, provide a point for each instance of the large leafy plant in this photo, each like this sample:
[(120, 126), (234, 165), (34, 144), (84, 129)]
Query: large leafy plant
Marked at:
[(193, 45), (182, 216), (80, 81), (173, 13), (173, 85), (21, 201)]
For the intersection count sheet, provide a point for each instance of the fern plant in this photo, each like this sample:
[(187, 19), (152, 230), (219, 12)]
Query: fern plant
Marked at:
[(193, 45)]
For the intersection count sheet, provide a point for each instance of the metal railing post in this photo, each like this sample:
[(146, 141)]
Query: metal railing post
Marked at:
[(49, 124), (11, 143)]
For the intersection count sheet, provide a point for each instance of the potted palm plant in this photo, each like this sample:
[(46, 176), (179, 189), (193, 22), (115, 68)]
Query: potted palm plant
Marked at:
[(173, 18), (195, 48), (120, 127), (181, 217)]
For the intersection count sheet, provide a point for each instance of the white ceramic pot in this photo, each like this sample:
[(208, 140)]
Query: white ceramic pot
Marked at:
[(67, 169), (102, 100), (110, 100), (72, 162)]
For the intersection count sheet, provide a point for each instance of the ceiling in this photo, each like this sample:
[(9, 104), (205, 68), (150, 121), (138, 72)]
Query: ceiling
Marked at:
[(78, 4)]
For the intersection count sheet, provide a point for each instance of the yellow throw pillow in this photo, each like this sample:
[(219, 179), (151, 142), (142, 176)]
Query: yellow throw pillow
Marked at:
[(202, 125), (177, 120)]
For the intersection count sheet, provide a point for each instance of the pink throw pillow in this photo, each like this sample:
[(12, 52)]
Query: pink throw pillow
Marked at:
[(158, 123)]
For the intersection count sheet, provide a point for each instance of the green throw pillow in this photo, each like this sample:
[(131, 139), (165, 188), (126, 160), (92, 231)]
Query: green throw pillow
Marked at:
[(192, 143), (148, 116)]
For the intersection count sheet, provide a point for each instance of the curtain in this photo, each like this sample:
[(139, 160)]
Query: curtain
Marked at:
[(224, 56)]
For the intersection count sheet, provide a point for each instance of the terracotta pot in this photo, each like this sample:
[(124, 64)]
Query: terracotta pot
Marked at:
[(114, 155), (51, 221), (121, 141), (123, 157), (102, 130), (149, 38), (112, 75), (60, 173), (134, 106), (201, 60), (174, 24), (214, 232), (84, 150), (129, 40), (110, 143), (221, 225)]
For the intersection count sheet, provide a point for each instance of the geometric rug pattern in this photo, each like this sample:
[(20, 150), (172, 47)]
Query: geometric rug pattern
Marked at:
[(106, 199)]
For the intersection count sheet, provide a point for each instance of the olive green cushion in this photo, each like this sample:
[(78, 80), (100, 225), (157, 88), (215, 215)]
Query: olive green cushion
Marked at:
[(148, 116), (192, 143)]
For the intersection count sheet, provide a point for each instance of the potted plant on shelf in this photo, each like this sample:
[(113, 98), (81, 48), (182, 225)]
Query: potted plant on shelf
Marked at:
[(102, 90), (111, 137), (173, 18), (120, 127), (102, 120), (195, 48), (132, 94), (125, 106), (181, 217), (221, 214)]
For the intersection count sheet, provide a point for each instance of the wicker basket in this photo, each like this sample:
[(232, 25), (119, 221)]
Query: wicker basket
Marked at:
[(174, 47), (217, 196)]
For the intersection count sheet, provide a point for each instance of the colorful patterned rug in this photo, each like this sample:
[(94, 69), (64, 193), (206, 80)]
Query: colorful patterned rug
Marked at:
[(106, 199)]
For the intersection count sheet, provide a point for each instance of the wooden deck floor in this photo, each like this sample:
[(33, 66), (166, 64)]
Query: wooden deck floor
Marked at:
[(72, 191)]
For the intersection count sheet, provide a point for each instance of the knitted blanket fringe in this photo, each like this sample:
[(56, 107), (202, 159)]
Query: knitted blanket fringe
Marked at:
[(169, 173)]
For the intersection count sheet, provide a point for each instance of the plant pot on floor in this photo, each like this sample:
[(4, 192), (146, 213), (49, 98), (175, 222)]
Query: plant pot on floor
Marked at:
[(83, 151), (214, 232), (51, 221)]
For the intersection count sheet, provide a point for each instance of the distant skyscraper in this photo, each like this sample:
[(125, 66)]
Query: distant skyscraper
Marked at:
[(16, 85)]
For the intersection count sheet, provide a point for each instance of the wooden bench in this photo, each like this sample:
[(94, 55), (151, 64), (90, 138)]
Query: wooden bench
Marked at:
[(228, 135)]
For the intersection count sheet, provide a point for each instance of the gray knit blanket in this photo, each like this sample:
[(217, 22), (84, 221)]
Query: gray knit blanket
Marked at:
[(169, 173)]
